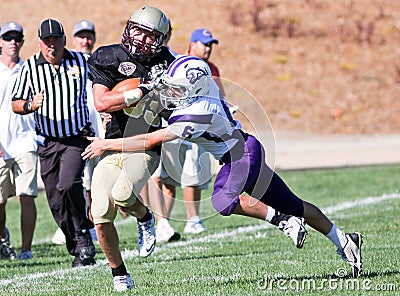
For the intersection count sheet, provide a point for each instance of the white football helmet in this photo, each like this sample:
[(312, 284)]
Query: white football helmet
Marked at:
[(148, 19), (185, 80)]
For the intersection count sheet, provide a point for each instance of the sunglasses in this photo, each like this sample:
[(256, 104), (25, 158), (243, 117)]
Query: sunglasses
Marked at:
[(9, 38)]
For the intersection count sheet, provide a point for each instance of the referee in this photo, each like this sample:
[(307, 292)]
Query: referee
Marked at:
[(52, 84)]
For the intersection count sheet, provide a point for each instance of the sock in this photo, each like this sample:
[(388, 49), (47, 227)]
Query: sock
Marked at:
[(162, 222), (270, 214), (146, 217), (119, 271), (194, 219), (337, 236)]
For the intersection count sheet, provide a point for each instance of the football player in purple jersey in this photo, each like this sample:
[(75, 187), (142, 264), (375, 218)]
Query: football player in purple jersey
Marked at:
[(199, 114)]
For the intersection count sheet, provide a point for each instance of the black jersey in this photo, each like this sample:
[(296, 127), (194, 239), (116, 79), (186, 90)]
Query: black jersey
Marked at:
[(111, 64)]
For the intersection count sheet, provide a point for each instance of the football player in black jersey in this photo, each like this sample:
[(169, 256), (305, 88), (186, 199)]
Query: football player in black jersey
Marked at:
[(119, 177)]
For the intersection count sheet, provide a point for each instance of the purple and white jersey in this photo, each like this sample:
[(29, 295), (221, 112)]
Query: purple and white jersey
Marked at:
[(206, 122)]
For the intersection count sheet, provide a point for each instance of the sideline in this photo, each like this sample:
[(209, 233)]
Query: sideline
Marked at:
[(299, 150)]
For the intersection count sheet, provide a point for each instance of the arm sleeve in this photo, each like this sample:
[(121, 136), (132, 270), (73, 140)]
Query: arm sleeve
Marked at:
[(99, 73)]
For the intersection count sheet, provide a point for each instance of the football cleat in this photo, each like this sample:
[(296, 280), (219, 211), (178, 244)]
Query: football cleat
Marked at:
[(147, 237), (293, 227), (6, 250), (194, 226), (77, 262), (86, 249), (165, 232), (351, 252), (123, 283)]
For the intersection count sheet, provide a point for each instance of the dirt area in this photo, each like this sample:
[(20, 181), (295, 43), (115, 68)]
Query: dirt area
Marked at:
[(326, 67)]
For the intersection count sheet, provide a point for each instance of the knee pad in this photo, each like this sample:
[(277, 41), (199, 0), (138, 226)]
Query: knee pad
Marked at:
[(103, 210), (123, 198)]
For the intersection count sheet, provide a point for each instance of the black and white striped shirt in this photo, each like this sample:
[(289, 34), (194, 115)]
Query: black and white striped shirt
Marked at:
[(64, 112)]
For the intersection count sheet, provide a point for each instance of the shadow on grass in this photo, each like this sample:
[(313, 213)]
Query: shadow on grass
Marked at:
[(46, 254)]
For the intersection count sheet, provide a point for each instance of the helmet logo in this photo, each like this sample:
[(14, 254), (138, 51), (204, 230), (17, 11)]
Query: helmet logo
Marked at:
[(194, 74), (127, 68)]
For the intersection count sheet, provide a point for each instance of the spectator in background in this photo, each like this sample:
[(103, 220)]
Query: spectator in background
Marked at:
[(201, 42), (84, 37), (52, 85), (18, 159), (83, 40)]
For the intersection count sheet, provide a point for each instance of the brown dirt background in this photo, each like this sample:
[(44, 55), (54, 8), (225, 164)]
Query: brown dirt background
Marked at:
[(315, 66)]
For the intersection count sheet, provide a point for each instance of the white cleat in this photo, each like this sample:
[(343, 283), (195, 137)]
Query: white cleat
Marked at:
[(147, 237), (351, 253), (295, 229), (123, 283)]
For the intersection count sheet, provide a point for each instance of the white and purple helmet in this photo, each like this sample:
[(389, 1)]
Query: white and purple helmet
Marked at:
[(185, 80)]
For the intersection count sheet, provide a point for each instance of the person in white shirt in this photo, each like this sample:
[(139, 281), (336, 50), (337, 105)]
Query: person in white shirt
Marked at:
[(18, 164)]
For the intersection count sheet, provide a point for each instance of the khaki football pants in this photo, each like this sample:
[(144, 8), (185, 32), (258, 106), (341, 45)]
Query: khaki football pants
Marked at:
[(117, 181)]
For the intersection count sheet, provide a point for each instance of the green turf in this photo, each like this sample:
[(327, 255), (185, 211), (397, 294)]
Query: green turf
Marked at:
[(237, 255)]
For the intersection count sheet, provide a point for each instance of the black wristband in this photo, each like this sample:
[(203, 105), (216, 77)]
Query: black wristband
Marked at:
[(144, 90), (28, 107)]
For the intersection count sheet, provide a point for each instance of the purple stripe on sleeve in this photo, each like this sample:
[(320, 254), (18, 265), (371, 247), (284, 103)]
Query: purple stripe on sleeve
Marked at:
[(205, 119)]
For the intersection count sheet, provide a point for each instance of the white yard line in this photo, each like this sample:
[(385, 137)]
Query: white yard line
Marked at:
[(362, 202), (208, 238)]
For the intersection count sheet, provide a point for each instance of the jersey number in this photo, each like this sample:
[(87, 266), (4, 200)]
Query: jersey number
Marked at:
[(188, 131), (146, 108)]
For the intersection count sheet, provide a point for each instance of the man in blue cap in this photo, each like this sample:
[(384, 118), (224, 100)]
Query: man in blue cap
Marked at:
[(201, 42)]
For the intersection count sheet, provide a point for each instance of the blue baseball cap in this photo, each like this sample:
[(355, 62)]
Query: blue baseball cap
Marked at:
[(203, 35)]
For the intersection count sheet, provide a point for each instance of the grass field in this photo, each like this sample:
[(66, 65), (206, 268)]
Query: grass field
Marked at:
[(237, 255)]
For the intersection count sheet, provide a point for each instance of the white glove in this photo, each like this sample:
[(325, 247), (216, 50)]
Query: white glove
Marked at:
[(155, 81), (132, 96)]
